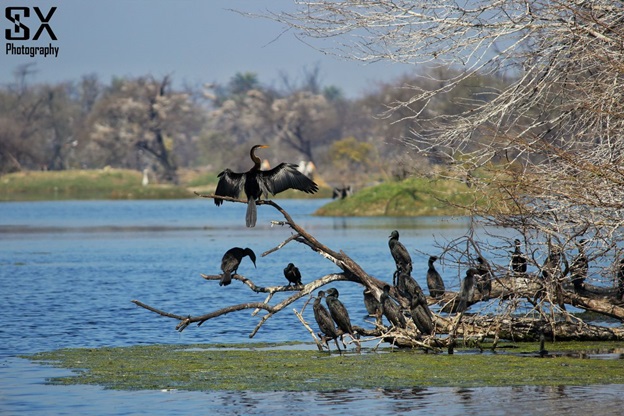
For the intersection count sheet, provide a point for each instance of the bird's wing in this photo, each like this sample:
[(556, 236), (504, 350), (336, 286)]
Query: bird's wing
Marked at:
[(285, 176), (230, 184)]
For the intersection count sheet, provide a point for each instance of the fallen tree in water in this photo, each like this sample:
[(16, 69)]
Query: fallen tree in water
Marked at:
[(544, 300)]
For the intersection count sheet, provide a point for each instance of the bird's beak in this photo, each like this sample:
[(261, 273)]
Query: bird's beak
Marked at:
[(264, 146)]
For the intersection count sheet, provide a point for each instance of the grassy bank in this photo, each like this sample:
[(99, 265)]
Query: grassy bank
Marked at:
[(266, 368), (112, 184), (410, 197), (84, 184)]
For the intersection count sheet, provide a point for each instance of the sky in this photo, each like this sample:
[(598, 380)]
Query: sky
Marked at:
[(194, 41)]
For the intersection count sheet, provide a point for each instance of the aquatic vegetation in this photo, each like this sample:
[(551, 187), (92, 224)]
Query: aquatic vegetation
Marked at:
[(266, 367)]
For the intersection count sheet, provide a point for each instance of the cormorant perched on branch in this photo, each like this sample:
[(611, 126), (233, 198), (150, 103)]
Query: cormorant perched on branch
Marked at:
[(338, 311), (409, 287), (324, 320), (579, 267), (551, 268), (466, 290), (391, 310), (291, 272), (421, 315), (256, 183), (484, 278), (399, 254), (518, 259), (434, 280), (231, 260), (373, 307)]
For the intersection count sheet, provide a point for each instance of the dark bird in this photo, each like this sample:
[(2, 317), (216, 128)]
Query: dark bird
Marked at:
[(551, 275), (466, 290), (408, 287), (399, 253), (518, 259), (338, 311), (422, 317), (341, 193), (579, 267), (231, 260), (372, 305), (256, 182), (434, 280), (324, 320), (484, 277), (552, 265), (292, 274), (391, 310)]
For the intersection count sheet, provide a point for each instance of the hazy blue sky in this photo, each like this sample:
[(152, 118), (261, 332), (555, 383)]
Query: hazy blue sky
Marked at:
[(196, 41)]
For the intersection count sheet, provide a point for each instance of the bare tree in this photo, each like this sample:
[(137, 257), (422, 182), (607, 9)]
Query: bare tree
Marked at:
[(542, 143), (143, 119)]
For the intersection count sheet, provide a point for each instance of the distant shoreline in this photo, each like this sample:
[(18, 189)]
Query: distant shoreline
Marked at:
[(411, 197)]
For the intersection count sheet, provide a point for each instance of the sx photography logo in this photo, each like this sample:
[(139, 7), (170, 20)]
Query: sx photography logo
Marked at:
[(21, 22)]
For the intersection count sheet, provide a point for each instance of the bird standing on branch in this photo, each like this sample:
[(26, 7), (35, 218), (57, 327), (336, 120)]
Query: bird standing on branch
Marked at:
[(292, 274), (467, 289), (391, 310), (231, 260), (256, 182), (324, 321), (518, 259), (434, 280), (338, 312), (400, 255)]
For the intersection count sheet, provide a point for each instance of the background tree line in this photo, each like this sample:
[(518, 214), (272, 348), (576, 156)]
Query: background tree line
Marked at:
[(149, 122)]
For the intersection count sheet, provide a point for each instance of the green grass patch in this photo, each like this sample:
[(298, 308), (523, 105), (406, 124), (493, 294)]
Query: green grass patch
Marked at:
[(112, 184), (410, 197), (210, 367), (84, 184)]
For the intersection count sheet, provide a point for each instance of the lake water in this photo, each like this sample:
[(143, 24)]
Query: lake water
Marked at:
[(69, 270)]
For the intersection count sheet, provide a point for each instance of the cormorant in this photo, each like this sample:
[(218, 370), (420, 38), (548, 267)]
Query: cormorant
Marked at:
[(399, 253), (421, 315), (292, 274), (484, 278), (338, 311), (256, 182), (373, 307), (324, 320), (518, 259), (434, 280), (552, 266), (465, 292), (551, 274), (391, 310), (579, 267), (408, 287), (231, 260)]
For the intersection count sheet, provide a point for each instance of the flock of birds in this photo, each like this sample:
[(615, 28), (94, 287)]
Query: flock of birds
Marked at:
[(334, 321)]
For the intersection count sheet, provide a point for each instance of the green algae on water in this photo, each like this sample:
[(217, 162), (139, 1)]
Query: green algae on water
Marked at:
[(262, 367)]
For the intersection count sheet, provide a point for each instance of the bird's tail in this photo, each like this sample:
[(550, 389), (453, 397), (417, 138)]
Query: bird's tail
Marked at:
[(226, 279), (252, 214)]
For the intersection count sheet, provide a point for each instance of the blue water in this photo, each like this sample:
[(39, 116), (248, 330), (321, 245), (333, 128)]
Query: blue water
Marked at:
[(69, 270)]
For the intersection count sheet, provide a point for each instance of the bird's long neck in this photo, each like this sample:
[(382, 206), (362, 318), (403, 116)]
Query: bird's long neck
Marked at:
[(256, 159)]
